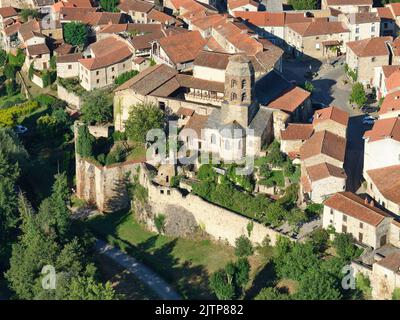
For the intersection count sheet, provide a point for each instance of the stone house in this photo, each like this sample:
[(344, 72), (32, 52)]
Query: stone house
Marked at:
[(68, 65), (242, 5), (347, 6), (382, 144), (386, 276), (293, 137), (362, 25), (38, 55), (104, 61), (386, 80), (322, 180), (318, 39), (390, 107), (388, 24), (8, 15), (363, 55), (331, 119), (138, 10), (178, 51), (348, 213)]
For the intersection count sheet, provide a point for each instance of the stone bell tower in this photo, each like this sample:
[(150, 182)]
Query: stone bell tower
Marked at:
[(240, 103)]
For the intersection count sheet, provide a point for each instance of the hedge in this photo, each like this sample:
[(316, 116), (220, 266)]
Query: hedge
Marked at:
[(9, 117)]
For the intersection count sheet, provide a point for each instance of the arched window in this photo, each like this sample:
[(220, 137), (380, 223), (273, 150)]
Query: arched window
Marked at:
[(244, 96), (233, 83), (244, 82), (233, 96)]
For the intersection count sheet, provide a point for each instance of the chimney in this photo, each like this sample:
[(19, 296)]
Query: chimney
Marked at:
[(396, 98), (366, 201), (372, 203)]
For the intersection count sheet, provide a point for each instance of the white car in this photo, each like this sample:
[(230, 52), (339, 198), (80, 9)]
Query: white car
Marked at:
[(368, 120), (20, 129)]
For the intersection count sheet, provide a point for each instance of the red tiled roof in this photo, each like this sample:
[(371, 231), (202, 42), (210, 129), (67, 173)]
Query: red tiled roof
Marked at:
[(393, 81), (101, 18), (324, 170), (135, 6), (395, 7), (290, 100), (391, 262), (197, 123), (233, 4), (318, 27), (185, 112), (262, 18), (383, 129), (384, 13), (107, 52), (182, 47), (387, 181), (37, 49), (210, 59), (7, 12), (159, 16), (297, 131), (353, 206), (390, 103), (296, 17), (370, 47), (324, 142), (75, 14), (331, 113)]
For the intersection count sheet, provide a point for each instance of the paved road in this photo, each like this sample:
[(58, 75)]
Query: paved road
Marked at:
[(143, 273)]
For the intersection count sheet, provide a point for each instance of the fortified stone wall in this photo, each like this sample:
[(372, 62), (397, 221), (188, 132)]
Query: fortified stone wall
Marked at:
[(220, 223), (104, 186), (69, 97)]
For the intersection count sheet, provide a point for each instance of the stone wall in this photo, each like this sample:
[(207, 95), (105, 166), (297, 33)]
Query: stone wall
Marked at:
[(70, 97), (104, 186), (218, 222), (37, 80)]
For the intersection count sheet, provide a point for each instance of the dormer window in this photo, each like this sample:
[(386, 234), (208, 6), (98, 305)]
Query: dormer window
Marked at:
[(233, 83)]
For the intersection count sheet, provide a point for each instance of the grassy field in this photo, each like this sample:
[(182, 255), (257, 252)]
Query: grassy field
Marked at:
[(185, 263)]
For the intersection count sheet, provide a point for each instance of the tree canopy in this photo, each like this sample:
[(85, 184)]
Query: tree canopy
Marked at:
[(109, 5), (75, 33), (358, 95), (97, 107), (303, 4), (143, 118)]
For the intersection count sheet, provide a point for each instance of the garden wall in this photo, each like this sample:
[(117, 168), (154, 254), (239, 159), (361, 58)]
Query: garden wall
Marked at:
[(220, 223), (37, 80), (70, 97)]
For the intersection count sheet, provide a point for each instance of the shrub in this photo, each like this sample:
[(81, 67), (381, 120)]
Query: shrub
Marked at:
[(45, 100), (243, 247), (18, 59), (9, 116), (48, 77), (125, 77), (159, 222)]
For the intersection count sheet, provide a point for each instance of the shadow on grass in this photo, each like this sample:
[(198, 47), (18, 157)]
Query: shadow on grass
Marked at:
[(265, 278), (157, 253)]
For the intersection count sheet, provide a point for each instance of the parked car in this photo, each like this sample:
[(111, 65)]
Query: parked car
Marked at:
[(368, 120), (367, 109), (20, 129)]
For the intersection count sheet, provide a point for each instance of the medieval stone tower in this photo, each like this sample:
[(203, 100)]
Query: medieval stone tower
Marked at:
[(240, 103)]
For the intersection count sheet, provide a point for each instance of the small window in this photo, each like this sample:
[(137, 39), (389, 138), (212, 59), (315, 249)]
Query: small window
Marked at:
[(97, 81), (244, 96), (233, 96), (213, 138), (331, 211), (344, 229), (360, 237), (69, 67), (344, 218), (361, 225), (97, 73), (373, 59), (244, 82), (233, 83), (112, 69)]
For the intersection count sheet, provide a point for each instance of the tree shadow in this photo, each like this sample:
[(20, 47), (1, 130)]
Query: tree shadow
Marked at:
[(265, 278)]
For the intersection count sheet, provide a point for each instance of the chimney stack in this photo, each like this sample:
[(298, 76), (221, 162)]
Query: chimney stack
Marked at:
[(372, 203)]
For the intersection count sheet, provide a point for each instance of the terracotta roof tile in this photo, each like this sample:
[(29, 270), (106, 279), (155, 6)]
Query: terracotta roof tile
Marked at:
[(391, 262), (188, 81), (385, 13), (324, 170), (314, 28), (290, 100), (7, 12), (75, 14), (297, 131), (387, 181), (348, 2), (69, 58), (210, 59), (159, 16), (390, 103), (370, 47), (296, 17), (37, 49), (383, 129), (101, 18), (197, 123), (395, 7), (182, 47), (331, 113), (262, 18), (324, 142), (353, 206), (185, 112), (135, 6), (233, 4), (393, 81)]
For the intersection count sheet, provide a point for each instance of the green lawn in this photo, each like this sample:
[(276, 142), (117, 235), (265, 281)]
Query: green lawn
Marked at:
[(185, 263)]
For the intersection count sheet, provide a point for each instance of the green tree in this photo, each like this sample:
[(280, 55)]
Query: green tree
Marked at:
[(109, 5), (358, 95), (242, 273), (243, 247), (122, 78), (142, 118), (97, 107), (364, 285), (274, 154), (75, 33), (303, 4), (3, 57), (318, 285), (219, 283), (85, 142), (271, 294), (345, 248), (308, 86), (396, 294), (25, 14), (10, 71)]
